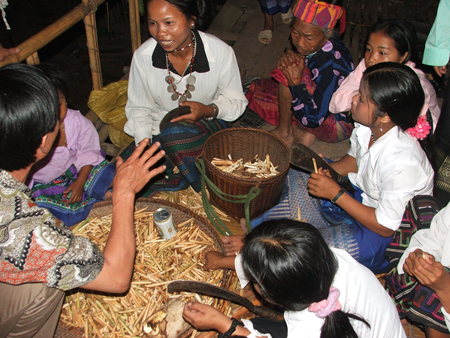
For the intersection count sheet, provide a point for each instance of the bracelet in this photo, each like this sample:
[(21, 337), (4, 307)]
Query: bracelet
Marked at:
[(216, 110), (339, 194), (232, 328)]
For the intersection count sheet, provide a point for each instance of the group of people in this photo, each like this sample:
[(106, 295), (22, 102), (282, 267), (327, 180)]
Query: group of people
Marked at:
[(320, 273)]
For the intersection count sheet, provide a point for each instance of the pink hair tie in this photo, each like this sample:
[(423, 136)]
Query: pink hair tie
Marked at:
[(421, 129), (323, 308)]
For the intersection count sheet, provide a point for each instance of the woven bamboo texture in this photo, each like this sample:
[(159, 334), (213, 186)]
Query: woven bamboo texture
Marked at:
[(246, 143), (180, 214)]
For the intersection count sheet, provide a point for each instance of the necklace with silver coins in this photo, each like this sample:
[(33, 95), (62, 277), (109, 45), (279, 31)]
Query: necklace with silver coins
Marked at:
[(190, 81)]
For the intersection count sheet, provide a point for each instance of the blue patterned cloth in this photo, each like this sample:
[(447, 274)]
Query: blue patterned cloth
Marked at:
[(337, 227), (329, 67)]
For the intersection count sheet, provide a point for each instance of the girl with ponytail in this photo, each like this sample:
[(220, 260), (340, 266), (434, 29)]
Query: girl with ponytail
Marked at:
[(323, 291)]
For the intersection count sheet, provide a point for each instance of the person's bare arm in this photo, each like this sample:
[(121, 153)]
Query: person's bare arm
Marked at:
[(215, 260), (77, 187), (130, 178), (322, 186), (345, 165)]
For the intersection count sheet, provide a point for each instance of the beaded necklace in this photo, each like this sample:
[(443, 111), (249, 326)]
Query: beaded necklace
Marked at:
[(190, 81)]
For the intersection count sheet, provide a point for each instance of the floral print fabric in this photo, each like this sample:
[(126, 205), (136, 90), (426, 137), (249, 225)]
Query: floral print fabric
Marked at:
[(35, 247)]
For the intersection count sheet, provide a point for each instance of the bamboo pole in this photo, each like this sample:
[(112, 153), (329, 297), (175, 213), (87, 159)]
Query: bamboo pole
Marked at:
[(33, 59), (49, 33), (134, 24), (90, 25)]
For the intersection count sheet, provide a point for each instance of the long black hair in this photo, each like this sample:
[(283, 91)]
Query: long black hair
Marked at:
[(197, 10), (402, 33), (293, 267), (395, 89), (29, 106)]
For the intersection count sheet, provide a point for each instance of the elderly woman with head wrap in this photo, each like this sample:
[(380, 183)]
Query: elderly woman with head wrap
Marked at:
[(310, 76)]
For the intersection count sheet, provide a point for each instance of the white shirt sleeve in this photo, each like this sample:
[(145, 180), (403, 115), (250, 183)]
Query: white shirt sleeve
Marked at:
[(229, 96), (140, 104), (400, 180)]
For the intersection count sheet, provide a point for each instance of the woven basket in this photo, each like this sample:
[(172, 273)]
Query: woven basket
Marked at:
[(245, 144), (179, 214)]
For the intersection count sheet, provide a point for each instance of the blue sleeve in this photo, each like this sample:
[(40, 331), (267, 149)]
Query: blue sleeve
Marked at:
[(328, 69), (437, 46)]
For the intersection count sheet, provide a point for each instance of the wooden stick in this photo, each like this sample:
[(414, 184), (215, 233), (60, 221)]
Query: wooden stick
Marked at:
[(315, 165)]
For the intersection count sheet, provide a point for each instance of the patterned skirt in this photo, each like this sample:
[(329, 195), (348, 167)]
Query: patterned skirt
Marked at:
[(51, 195), (262, 98), (272, 7), (337, 227), (416, 302), (182, 142)]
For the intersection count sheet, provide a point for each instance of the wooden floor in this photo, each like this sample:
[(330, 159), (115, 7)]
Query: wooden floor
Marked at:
[(238, 24)]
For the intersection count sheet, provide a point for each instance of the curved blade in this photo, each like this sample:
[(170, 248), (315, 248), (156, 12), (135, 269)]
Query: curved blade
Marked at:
[(212, 290), (302, 158)]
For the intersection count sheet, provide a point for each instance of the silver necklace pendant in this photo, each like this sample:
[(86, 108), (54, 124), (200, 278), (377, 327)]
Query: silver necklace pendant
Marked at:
[(191, 80), (190, 87), (182, 99), (171, 88), (188, 94), (175, 96), (170, 79)]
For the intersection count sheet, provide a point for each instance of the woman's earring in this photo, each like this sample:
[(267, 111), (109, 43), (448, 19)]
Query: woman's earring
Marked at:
[(192, 26)]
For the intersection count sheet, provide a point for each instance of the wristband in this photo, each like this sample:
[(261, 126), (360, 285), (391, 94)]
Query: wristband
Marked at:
[(339, 194), (216, 110), (232, 328)]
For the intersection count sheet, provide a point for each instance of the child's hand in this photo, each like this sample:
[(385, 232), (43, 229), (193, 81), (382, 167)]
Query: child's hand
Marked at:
[(205, 317), (77, 191), (322, 185)]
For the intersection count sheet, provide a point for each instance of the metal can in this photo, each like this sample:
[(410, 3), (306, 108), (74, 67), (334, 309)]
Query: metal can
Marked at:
[(164, 222)]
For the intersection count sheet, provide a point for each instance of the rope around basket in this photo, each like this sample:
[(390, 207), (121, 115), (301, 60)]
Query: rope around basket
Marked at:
[(212, 216)]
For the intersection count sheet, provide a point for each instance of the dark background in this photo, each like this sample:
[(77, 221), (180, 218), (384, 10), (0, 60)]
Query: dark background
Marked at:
[(69, 52)]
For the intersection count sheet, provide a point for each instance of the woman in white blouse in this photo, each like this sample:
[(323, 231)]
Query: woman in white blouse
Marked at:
[(323, 292), (181, 66), (386, 166)]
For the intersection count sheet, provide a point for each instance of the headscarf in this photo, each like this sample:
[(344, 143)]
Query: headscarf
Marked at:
[(320, 14)]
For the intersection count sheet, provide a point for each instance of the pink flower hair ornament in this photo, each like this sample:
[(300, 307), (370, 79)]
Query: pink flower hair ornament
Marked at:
[(421, 129), (323, 308)]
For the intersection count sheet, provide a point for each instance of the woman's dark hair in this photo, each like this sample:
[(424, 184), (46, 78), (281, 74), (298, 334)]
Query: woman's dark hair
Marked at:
[(294, 267), (57, 78), (29, 106), (403, 35), (395, 89), (198, 10)]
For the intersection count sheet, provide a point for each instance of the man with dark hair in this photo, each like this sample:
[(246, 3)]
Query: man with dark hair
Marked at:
[(39, 257)]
